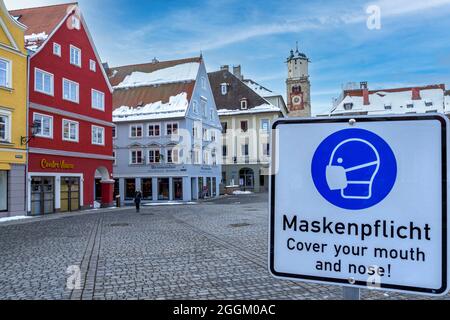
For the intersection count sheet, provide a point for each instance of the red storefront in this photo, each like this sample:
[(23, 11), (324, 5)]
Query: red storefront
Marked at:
[(70, 113)]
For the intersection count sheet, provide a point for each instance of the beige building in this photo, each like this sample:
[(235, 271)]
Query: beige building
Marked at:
[(246, 119)]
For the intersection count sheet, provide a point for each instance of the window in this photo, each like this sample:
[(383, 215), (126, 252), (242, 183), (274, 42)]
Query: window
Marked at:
[(115, 159), (224, 89), (130, 189), (44, 125), (43, 82), (244, 126), (348, 106), (196, 156), (224, 127), (428, 103), (265, 125), (388, 107), (195, 106), (211, 114), (244, 104), (410, 106), (163, 189), (57, 49), (266, 149), (172, 156), (136, 157), (114, 132), (98, 135), (214, 157), (154, 130), (204, 107), (5, 127), (205, 134), (213, 135), (147, 189), (75, 56), (5, 73), (154, 156), (206, 157), (3, 191), (71, 91), (203, 83), (92, 65), (136, 131), (172, 129), (224, 151), (98, 100), (244, 150), (70, 130)]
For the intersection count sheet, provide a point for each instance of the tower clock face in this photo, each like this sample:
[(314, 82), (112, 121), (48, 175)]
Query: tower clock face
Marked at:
[(297, 100)]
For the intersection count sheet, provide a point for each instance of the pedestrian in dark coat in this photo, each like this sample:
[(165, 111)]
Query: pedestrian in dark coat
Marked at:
[(137, 200)]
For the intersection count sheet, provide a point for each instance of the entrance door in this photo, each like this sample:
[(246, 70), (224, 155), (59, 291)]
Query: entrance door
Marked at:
[(98, 190), (42, 195), (70, 194), (177, 188)]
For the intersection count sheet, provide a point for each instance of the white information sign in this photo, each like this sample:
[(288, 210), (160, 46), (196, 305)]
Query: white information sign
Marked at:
[(361, 202)]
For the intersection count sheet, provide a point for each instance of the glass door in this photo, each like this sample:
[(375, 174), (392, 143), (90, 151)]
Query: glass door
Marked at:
[(70, 194), (42, 195)]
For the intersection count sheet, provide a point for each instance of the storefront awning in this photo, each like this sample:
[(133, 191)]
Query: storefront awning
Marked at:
[(5, 166)]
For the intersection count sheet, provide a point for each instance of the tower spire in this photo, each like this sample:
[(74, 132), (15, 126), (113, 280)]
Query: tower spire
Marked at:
[(296, 45)]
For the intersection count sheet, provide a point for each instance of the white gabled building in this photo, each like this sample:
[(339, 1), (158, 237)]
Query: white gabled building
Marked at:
[(409, 100), (168, 133)]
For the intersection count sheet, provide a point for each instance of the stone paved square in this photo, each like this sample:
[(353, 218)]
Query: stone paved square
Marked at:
[(210, 250)]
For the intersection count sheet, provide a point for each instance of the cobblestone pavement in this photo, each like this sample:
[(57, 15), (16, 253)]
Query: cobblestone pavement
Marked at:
[(213, 250)]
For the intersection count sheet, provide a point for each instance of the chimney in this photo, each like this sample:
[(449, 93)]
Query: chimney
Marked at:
[(416, 94), (237, 72), (105, 65), (225, 68), (366, 96)]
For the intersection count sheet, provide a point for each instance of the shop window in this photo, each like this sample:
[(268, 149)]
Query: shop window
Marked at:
[(178, 188), (214, 187), (147, 189), (130, 189)]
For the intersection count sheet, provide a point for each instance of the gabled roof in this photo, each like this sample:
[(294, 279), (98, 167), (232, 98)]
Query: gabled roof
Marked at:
[(230, 103), (42, 21), (153, 90)]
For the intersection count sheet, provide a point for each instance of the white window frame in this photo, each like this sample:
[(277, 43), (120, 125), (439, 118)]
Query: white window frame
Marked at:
[(195, 106), (261, 125), (92, 136), (79, 57), (77, 91), (204, 106), (8, 83), (50, 136), (244, 104), (52, 82), (102, 94), (172, 123), (203, 83), (131, 156), (206, 157), (154, 125), (136, 125), (57, 49), (154, 156), (92, 65), (224, 89), (77, 124), (7, 115), (76, 23)]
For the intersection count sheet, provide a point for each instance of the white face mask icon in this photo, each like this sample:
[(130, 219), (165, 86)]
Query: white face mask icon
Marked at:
[(355, 180)]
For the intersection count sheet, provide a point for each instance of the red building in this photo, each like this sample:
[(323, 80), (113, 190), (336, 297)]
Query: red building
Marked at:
[(70, 113)]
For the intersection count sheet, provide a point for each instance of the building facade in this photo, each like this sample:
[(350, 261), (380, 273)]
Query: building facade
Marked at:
[(13, 115), (167, 136), (409, 100), (246, 119), (298, 85), (70, 113)]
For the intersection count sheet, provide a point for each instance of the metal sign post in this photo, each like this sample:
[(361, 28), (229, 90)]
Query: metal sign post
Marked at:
[(348, 201)]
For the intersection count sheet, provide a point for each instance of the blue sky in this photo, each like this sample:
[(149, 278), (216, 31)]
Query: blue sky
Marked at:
[(411, 48)]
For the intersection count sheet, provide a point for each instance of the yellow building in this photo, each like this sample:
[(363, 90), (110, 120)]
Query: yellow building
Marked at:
[(13, 115)]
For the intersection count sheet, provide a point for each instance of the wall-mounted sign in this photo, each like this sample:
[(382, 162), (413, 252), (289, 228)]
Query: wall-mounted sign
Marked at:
[(361, 202), (56, 165)]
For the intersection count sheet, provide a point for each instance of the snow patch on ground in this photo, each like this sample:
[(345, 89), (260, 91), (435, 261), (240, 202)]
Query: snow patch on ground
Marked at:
[(97, 205), (237, 193), (176, 107), (170, 203), (9, 219), (178, 73)]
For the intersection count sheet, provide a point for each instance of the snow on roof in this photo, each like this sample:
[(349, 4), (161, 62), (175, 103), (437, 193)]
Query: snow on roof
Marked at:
[(393, 102), (34, 40), (259, 89), (178, 73), (175, 108), (259, 109)]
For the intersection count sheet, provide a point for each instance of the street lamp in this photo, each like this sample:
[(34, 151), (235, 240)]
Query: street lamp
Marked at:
[(34, 129)]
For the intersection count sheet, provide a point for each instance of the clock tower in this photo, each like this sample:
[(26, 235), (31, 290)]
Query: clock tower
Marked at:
[(298, 85)]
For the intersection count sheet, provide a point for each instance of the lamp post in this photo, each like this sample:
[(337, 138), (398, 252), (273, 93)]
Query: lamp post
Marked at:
[(34, 129)]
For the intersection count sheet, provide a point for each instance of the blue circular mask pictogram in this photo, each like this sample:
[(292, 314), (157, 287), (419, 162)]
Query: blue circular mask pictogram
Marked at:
[(354, 169)]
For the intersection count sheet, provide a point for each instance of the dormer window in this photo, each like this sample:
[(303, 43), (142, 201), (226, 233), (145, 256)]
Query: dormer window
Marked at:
[(387, 107), (348, 106), (244, 104), (428, 104), (224, 89), (410, 106)]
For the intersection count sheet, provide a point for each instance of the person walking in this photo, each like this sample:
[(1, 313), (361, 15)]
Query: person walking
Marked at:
[(137, 200)]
